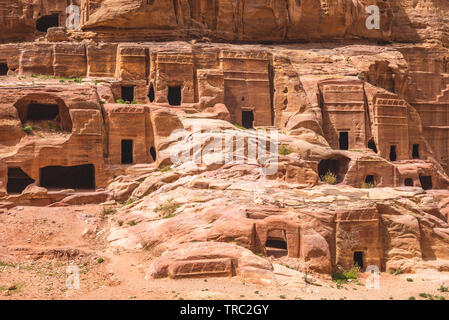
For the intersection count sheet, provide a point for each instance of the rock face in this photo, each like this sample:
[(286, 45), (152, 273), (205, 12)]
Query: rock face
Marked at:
[(100, 114)]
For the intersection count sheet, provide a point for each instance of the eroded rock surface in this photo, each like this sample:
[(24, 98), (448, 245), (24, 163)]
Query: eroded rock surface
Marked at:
[(350, 130)]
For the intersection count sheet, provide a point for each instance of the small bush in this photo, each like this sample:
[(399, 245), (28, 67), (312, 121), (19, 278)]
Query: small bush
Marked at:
[(344, 276), (284, 150), (168, 208), (132, 223), (239, 126), (409, 280), (120, 101), (329, 177), (368, 185), (412, 298), (442, 288), (28, 129), (100, 260), (108, 211), (165, 169)]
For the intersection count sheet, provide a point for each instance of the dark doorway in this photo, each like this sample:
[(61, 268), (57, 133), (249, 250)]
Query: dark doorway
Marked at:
[(76, 177), (128, 93), (153, 153), (337, 166), (3, 69), (370, 180), (45, 22), (393, 155), (127, 152), (344, 140), (372, 145), (276, 245), (247, 119), (174, 96), (17, 180), (38, 111), (408, 182), (358, 259), (151, 95), (415, 153), (426, 182)]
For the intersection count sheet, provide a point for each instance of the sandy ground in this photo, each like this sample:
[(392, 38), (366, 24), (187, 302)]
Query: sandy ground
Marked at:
[(37, 245)]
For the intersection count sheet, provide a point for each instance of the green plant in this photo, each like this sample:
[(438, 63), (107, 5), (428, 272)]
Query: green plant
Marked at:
[(239, 126), (284, 150), (282, 296), (368, 185), (108, 210), (343, 276), (4, 264), (129, 201), (165, 169), (443, 289), (132, 223), (120, 101), (329, 177), (412, 298), (423, 295), (100, 260), (28, 129), (168, 208), (409, 280)]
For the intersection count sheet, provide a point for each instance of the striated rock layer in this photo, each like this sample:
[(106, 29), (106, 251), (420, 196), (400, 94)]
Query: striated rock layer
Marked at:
[(352, 137)]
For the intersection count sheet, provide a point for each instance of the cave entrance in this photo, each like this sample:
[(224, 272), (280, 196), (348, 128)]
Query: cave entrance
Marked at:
[(46, 22), (408, 182), (128, 93), (44, 108), (370, 180), (37, 111), (358, 259), (276, 244), (426, 182), (344, 140), (151, 94), (153, 153), (174, 95), (75, 177), (3, 69), (17, 180), (415, 153), (372, 145), (127, 152), (393, 154), (333, 169), (247, 119)]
